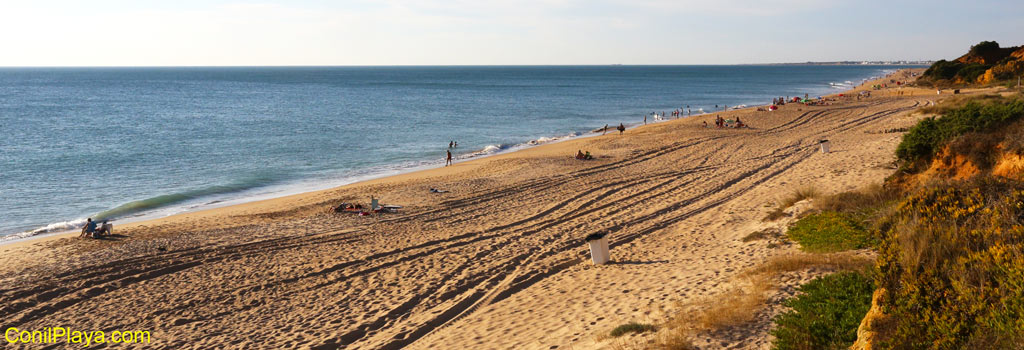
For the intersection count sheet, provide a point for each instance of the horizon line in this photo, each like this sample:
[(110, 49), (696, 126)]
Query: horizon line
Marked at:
[(854, 63)]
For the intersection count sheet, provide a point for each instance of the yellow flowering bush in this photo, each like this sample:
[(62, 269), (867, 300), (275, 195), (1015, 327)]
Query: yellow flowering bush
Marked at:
[(952, 262)]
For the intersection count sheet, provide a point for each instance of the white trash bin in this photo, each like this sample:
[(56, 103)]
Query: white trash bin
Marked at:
[(824, 146), (598, 248)]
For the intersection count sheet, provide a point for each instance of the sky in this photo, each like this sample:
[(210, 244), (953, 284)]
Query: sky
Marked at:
[(501, 32)]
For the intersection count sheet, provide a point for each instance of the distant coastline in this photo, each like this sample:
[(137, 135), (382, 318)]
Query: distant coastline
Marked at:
[(850, 63)]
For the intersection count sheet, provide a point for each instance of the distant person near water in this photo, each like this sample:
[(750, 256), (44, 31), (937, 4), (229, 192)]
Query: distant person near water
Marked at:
[(621, 128), (450, 143), (605, 129), (449, 160)]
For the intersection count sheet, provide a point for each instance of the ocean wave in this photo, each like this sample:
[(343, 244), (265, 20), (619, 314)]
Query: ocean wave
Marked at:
[(497, 148), (54, 227), (543, 140), (137, 207), (487, 150)]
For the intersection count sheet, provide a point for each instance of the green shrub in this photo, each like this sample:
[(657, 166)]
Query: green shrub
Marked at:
[(924, 139), (952, 263), (826, 315), (830, 231), (943, 69), (970, 73), (632, 327), (984, 47)]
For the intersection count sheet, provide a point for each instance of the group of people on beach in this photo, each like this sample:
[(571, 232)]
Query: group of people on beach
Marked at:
[(581, 156), (91, 230), (722, 123), (676, 113)]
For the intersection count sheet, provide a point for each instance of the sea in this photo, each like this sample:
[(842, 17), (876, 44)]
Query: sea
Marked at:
[(128, 144)]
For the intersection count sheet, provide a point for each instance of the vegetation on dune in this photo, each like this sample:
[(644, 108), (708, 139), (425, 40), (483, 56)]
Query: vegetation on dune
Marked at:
[(952, 262), (951, 253), (830, 231), (802, 193), (923, 140), (843, 221), (950, 265), (943, 69), (985, 63), (632, 327), (738, 306), (826, 314), (863, 203)]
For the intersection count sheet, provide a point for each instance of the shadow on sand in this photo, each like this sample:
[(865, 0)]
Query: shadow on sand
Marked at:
[(628, 262)]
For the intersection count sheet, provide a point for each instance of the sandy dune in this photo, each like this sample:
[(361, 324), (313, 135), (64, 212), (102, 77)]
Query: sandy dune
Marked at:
[(496, 263)]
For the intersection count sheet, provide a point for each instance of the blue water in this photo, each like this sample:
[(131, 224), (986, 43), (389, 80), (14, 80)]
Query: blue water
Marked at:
[(125, 143)]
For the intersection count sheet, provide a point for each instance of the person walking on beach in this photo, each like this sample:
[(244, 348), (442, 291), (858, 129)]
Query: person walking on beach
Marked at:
[(645, 119), (621, 128), (449, 161), (605, 129)]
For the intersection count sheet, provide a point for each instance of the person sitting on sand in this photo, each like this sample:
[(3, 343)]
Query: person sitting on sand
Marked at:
[(104, 229), (705, 124), (739, 124), (579, 154), (621, 128), (89, 229), (587, 156)]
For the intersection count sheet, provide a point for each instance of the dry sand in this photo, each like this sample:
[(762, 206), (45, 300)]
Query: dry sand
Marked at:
[(498, 262)]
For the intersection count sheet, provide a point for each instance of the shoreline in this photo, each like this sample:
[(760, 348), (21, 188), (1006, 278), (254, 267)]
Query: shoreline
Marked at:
[(298, 188), (500, 253)]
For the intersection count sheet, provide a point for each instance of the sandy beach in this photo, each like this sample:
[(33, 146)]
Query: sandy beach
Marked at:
[(497, 262)]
